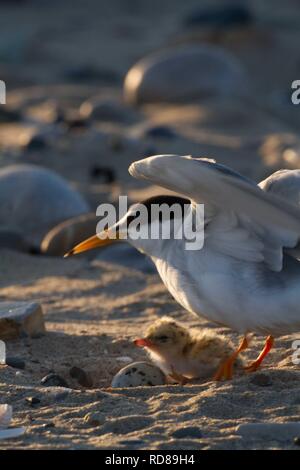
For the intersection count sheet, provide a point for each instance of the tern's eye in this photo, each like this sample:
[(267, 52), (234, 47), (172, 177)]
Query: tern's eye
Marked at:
[(162, 338)]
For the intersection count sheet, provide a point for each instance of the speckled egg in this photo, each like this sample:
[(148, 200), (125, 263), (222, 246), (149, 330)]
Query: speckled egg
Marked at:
[(138, 374)]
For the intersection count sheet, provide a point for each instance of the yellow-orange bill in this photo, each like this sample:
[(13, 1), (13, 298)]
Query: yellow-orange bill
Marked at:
[(89, 244)]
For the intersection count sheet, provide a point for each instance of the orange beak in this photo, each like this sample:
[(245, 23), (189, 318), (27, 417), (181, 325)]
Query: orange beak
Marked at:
[(93, 242), (143, 343)]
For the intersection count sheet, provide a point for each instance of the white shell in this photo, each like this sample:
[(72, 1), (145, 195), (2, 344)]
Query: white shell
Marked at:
[(5, 415), (12, 432), (138, 374), (2, 352)]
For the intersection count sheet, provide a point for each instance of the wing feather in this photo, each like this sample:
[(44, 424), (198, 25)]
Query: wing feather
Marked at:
[(248, 223)]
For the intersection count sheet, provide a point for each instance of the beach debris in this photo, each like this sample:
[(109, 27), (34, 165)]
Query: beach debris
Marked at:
[(19, 319), (35, 199), (54, 380), (15, 362), (2, 353), (184, 74), (5, 420), (82, 377), (138, 374), (271, 431)]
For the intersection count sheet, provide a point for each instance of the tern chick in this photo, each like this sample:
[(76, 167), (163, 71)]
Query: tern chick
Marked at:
[(185, 354)]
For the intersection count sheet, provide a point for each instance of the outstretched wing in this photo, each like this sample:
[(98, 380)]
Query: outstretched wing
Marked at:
[(245, 221)]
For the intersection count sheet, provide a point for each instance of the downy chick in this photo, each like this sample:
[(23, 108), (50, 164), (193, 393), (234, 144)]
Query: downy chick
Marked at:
[(184, 354)]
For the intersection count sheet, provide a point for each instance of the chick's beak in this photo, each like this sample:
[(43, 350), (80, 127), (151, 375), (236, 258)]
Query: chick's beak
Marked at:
[(94, 242), (143, 343)]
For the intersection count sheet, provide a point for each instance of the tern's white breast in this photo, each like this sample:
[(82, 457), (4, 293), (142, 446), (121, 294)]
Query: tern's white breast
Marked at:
[(240, 295)]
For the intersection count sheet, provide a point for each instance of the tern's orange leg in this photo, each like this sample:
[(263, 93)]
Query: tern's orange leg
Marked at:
[(267, 348), (226, 368)]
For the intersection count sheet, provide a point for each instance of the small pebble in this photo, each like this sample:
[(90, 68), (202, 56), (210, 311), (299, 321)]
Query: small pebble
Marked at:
[(160, 132), (94, 419), (124, 359), (82, 377), (32, 401), (105, 174), (262, 380), (188, 431), (132, 442), (54, 380), (35, 142), (48, 425), (297, 441), (220, 16), (15, 362)]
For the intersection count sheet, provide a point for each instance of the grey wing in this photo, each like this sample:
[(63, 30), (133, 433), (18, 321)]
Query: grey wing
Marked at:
[(245, 222), (285, 184)]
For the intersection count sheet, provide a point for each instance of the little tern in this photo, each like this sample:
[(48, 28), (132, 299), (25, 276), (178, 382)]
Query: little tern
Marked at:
[(247, 275), (184, 354)]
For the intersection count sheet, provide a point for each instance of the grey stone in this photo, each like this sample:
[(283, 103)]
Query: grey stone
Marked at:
[(108, 110), (187, 431), (82, 377), (15, 362), (271, 431), (54, 380), (13, 240), (21, 319), (138, 374), (185, 74), (34, 199), (261, 380), (32, 401), (220, 16), (57, 393)]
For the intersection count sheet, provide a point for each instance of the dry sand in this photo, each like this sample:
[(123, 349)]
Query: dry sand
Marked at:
[(94, 309)]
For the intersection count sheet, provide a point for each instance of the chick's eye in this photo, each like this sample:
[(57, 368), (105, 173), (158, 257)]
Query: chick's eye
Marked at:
[(163, 338)]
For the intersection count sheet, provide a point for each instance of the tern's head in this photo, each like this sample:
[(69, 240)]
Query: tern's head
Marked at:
[(147, 225), (165, 336)]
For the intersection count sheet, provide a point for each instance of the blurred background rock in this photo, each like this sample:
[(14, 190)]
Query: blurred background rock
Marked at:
[(93, 85)]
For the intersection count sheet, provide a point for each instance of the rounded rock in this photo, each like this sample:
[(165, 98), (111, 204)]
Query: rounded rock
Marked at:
[(67, 234), (183, 75), (34, 199), (138, 374), (107, 110)]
